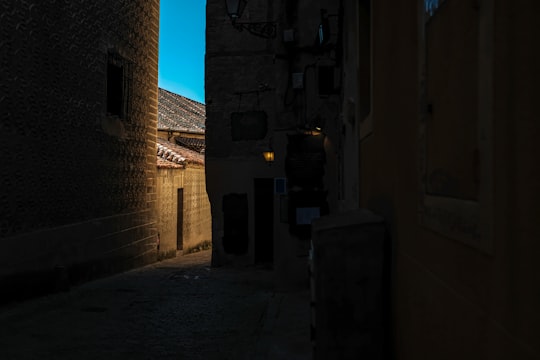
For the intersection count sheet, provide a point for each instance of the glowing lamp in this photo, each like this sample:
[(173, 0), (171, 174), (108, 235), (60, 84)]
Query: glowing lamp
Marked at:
[(268, 156)]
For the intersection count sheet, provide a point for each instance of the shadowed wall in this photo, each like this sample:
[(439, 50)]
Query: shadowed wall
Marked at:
[(77, 142)]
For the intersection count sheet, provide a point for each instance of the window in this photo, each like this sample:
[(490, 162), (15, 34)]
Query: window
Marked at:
[(118, 85), (115, 89), (456, 121)]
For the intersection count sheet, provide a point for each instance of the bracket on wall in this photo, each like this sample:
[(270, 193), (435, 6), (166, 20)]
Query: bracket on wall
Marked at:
[(266, 30), (262, 88)]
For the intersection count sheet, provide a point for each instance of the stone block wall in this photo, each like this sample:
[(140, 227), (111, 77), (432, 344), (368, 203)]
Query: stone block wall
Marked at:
[(246, 73), (168, 183), (197, 221), (77, 185), (197, 218)]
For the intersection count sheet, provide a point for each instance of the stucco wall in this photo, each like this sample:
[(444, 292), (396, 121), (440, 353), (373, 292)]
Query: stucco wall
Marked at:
[(454, 298), (77, 186)]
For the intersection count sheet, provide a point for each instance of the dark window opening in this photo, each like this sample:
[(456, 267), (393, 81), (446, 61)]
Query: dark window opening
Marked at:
[(118, 85), (115, 89)]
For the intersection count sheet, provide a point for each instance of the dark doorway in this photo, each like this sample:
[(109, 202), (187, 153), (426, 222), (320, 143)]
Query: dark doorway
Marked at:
[(235, 224), (180, 221), (264, 220)]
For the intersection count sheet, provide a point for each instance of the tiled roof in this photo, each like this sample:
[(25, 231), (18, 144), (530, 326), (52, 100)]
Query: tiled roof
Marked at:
[(175, 156), (191, 143), (179, 113), (166, 164)]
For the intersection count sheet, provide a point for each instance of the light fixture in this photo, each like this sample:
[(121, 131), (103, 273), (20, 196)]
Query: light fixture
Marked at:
[(268, 156), (235, 8)]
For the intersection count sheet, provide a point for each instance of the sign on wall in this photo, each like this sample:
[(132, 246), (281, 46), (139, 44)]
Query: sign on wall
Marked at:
[(249, 125)]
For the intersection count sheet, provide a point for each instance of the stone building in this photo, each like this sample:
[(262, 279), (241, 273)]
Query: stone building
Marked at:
[(184, 221), (78, 94), (428, 119), (261, 93)]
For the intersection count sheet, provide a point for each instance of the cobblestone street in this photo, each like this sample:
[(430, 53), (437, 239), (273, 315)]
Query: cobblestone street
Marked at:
[(175, 309)]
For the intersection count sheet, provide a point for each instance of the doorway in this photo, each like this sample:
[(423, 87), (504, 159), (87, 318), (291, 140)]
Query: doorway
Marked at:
[(180, 220), (264, 220)]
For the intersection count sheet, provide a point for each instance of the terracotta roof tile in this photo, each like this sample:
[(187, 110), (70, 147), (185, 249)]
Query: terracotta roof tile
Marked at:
[(191, 143), (170, 154), (165, 164), (176, 112)]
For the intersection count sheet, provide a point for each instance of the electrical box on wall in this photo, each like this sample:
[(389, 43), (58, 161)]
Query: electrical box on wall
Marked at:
[(304, 206), (288, 35)]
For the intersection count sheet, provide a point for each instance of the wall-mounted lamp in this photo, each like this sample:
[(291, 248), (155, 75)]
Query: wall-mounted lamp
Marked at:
[(235, 8), (268, 156)]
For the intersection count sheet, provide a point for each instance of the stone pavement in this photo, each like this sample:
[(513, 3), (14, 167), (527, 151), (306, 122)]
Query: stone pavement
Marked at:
[(174, 309)]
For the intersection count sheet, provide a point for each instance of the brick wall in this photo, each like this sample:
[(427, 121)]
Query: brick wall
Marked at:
[(78, 186), (197, 219), (168, 183), (197, 222)]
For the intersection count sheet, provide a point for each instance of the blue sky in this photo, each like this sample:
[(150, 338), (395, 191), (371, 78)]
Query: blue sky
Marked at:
[(182, 46)]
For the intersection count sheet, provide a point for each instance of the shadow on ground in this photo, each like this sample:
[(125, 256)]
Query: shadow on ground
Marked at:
[(175, 309)]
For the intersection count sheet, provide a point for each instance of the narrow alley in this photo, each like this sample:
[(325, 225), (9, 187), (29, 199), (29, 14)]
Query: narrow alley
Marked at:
[(382, 156), (175, 309)]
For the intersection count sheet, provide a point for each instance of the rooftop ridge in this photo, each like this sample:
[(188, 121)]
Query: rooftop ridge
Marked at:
[(177, 112)]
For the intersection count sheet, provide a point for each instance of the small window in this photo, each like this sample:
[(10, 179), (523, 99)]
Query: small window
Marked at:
[(456, 121), (118, 85), (115, 89)]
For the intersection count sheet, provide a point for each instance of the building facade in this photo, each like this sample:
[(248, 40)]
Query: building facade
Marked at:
[(184, 219), (428, 121), (78, 135), (261, 94)]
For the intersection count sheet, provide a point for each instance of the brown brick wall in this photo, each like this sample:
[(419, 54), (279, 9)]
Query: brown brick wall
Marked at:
[(197, 224), (197, 218), (168, 183), (64, 161)]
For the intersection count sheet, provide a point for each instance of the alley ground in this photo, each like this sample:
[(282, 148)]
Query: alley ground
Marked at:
[(175, 309)]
